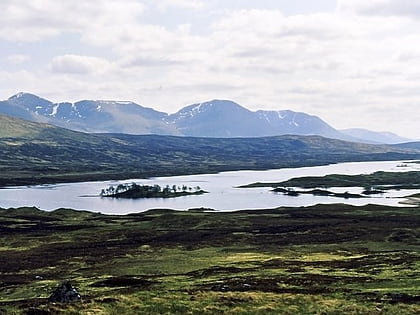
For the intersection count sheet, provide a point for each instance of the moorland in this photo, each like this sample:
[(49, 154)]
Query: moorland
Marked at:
[(325, 259)]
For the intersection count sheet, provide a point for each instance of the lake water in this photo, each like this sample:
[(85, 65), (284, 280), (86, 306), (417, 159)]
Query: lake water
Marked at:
[(223, 194)]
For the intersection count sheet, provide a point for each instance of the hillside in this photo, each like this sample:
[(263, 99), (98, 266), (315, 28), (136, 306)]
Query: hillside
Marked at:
[(13, 127), (43, 153), (373, 136), (409, 145)]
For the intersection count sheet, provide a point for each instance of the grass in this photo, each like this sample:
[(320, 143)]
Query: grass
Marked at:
[(325, 259)]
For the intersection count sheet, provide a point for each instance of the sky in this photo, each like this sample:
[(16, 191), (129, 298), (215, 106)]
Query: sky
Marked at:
[(354, 63)]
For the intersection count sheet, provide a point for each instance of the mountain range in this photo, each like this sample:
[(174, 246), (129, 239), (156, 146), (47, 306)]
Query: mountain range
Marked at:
[(217, 118)]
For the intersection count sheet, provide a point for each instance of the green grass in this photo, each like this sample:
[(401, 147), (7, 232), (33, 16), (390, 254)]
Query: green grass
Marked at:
[(326, 259)]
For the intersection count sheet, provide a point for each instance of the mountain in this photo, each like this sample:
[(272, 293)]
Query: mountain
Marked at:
[(374, 136), (88, 116), (34, 153), (217, 118), (222, 118), (290, 122)]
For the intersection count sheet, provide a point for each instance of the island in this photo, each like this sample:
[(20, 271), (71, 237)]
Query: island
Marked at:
[(374, 183), (135, 191), (321, 192)]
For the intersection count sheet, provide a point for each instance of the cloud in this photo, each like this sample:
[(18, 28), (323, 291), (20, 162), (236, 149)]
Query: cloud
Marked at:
[(34, 20), (74, 64), (188, 4), (18, 59), (275, 23), (409, 8), (145, 61)]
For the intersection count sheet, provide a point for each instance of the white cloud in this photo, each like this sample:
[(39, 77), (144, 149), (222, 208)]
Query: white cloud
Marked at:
[(189, 4), (381, 7), (74, 64), (38, 19), (18, 59)]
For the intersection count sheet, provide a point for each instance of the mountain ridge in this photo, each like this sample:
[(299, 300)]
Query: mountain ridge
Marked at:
[(216, 118)]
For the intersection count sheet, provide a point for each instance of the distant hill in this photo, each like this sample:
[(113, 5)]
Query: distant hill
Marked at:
[(33, 153), (217, 118), (409, 145), (374, 136)]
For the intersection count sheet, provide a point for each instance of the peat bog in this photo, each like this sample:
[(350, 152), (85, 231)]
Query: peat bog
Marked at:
[(325, 259)]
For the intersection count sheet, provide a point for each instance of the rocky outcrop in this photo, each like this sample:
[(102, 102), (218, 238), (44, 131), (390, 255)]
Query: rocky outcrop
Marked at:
[(65, 293)]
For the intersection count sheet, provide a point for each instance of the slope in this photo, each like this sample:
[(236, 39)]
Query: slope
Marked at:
[(374, 136)]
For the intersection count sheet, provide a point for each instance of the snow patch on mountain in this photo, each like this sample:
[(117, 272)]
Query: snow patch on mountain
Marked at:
[(55, 110)]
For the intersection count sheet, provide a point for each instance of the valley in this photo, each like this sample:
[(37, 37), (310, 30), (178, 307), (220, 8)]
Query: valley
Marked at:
[(42, 153)]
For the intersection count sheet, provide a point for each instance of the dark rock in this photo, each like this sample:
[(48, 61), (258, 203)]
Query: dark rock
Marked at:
[(65, 293), (246, 286)]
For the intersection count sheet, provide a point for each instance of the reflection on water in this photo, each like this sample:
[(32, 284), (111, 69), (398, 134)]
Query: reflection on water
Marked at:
[(222, 195)]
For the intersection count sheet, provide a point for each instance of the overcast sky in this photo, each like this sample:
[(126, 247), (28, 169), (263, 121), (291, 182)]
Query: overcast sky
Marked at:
[(354, 63)]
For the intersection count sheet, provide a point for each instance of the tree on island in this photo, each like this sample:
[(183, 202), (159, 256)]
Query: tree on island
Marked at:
[(134, 190)]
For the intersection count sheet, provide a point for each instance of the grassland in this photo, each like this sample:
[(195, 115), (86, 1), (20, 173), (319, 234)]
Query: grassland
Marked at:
[(325, 259)]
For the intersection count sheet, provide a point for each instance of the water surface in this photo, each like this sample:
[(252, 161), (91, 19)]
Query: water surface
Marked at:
[(223, 194)]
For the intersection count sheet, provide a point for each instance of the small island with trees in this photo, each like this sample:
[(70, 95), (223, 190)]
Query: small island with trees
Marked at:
[(135, 191)]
